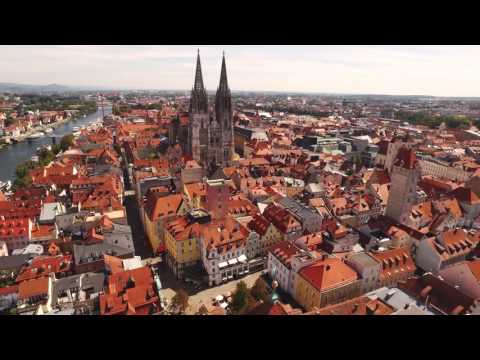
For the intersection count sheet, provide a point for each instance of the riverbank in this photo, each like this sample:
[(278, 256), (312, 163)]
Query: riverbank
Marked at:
[(42, 128), (21, 178), (19, 153)]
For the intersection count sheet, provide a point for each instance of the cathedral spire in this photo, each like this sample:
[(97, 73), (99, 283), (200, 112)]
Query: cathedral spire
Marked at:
[(199, 99), (223, 86), (198, 86)]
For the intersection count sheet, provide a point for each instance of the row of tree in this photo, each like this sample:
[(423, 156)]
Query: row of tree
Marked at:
[(421, 118), (35, 102), (244, 299)]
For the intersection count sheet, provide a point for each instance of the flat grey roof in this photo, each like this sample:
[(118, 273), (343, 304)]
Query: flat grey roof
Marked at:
[(363, 259)]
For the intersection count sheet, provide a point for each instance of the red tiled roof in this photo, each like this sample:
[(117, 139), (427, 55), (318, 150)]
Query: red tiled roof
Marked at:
[(14, 227), (35, 287), (130, 293), (44, 265), (328, 273), (442, 296), (311, 241), (118, 282), (259, 224), (284, 251), (241, 206), (181, 229), (158, 206), (8, 290), (395, 261), (114, 263), (362, 305), (475, 268), (281, 218), (224, 234)]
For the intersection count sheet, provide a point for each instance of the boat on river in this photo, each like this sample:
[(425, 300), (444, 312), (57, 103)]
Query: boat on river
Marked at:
[(5, 186), (36, 135)]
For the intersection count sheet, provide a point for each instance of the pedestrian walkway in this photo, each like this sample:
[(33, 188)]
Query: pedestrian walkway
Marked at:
[(206, 296)]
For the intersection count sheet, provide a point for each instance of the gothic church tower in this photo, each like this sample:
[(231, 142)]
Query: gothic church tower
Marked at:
[(224, 117), (210, 140), (199, 118)]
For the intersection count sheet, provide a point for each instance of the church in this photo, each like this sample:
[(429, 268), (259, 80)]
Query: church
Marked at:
[(210, 130)]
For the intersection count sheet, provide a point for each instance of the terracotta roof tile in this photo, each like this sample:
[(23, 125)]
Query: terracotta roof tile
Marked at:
[(328, 273)]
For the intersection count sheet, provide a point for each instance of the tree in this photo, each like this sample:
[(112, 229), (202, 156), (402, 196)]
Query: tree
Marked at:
[(46, 157), (259, 291), (22, 182), (66, 142), (180, 300), (56, 148), (118, 149), (242, 299)]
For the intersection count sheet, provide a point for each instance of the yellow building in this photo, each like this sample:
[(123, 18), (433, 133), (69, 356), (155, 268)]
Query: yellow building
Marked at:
[(326, 282), (181, 242), (158, 209)]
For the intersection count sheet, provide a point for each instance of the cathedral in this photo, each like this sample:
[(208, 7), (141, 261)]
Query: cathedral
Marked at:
[(210, 131)]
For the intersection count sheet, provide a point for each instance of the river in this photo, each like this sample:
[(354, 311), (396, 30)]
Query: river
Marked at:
[(15, 154)]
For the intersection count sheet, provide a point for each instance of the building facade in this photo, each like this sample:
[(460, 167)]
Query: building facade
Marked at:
[(210, 138), (405, 175), (326, 282)]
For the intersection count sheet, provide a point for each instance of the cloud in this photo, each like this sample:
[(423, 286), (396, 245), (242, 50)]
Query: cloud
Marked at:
[(434, 70)]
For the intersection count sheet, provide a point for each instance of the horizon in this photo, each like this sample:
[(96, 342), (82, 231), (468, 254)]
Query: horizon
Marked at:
[(402, 70), (79, 88)]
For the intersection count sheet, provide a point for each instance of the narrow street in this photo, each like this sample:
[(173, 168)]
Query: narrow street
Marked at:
[(140, 241)]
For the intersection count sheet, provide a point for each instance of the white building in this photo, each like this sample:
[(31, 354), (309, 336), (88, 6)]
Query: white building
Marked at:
[(434, 254), (279, 263), (285, 261), (34, 249), (367, 268), (223, 249), (443, 170)]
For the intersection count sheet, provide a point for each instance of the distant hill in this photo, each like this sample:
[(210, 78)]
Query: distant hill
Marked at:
[(50, 88), (25, 88)]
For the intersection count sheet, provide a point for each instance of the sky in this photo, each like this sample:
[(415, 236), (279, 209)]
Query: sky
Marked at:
[(361, 69)]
